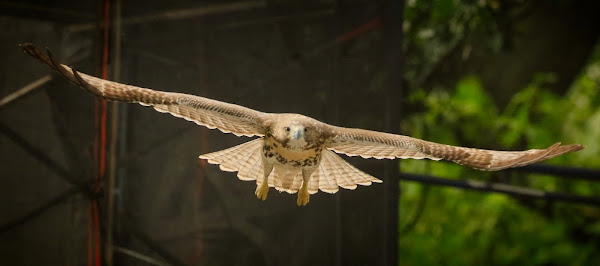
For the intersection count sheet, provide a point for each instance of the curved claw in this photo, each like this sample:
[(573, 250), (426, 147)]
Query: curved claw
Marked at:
[(261, 191), (303, 197)]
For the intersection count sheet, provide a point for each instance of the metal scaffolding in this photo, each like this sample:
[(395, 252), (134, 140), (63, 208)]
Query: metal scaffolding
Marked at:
[(97, 190)]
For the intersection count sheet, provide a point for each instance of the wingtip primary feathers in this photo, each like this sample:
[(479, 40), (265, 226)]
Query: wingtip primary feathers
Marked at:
[(33, 51), (29, 48), (574, 147), (49, 59), (228, 118), (502, 160), (46, 58)]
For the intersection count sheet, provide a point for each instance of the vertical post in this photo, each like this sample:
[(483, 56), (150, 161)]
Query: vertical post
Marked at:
[(113, 148), (95, 243), (200, 45), (336, 79), (393, 15)]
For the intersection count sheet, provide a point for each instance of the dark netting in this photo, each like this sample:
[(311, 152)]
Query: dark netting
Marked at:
[(340, 62)]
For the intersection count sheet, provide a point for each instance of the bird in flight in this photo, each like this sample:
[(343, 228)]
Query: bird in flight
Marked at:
[(294, 153)]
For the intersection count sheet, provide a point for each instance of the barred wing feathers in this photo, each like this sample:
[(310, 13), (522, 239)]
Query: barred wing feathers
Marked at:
[(229, 118), (379, 145)]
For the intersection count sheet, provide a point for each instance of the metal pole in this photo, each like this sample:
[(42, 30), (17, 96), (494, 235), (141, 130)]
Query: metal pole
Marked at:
[(114, 133), (392, 16), (501, 188), (11, 98)]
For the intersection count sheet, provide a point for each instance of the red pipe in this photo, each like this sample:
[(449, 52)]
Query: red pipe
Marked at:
[(94, 238)]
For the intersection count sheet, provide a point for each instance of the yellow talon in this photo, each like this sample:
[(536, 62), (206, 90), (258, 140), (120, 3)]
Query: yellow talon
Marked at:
[(303, 197), (261, 191)]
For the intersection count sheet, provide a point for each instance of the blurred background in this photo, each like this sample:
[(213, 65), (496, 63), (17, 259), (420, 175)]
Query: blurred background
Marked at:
[(83, 181)]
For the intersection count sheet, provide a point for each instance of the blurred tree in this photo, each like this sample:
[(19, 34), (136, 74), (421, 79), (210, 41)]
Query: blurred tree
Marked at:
[(501, 75), (505, 43)]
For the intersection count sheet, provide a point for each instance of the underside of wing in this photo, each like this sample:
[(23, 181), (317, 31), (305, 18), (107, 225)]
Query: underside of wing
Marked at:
[(378, 145), (490, 160), (372, 144), (228, 118), (380, 151), (236, 124)]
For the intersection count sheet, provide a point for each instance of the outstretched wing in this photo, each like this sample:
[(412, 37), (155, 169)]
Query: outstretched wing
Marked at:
[(229, 118), (372, 144)]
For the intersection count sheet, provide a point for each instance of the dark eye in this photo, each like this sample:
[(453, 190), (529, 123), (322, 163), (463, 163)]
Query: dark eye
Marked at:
[(287, 129), (305, 129)]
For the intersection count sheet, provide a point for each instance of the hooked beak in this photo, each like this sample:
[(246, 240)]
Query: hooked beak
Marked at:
[(297, 133)]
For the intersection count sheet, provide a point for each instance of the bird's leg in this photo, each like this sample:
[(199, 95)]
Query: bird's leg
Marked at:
[(263, 188), (303, 195)]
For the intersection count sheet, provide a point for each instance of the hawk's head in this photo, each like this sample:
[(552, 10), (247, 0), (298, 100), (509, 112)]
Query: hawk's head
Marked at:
[(295, 132)]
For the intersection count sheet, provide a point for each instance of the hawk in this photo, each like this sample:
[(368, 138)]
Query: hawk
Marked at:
[(293, 152)]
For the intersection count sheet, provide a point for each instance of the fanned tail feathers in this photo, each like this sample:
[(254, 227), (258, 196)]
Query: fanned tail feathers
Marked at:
[(332, 173), (244, 159)]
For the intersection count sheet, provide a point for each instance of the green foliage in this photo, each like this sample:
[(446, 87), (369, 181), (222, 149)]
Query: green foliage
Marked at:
[(460, 227), (435, 28)]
